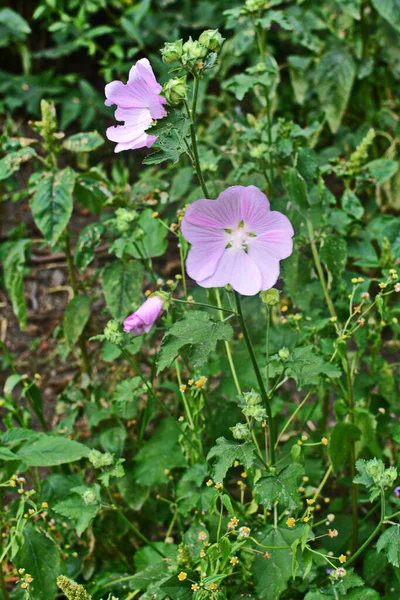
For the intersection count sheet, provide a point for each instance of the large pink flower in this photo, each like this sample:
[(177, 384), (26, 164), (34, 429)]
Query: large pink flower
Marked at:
[(143, 319), (139, 103), (236, 239)]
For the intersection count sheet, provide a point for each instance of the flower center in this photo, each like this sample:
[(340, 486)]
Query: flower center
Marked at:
[(238, 238)]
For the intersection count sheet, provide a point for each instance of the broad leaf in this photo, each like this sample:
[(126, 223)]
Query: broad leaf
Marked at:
[(154, 241), (334, 254), (49, 450), (14, 269), (83, 142), (171, 132), (12, 162), (197, 330), (390, 543), (382, 169), (40, 557), (334, 80), (89, 238), (122, 284), (389, 10), (226, 452), (52, 203), (80, 507), (76, 316), (282, 488), (342, 435), (297, 188), (307, 367)]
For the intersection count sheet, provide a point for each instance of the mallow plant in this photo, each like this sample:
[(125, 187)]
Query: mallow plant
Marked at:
[(240, 409)]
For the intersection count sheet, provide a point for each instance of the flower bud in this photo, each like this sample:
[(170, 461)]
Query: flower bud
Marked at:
[(212, 40), (172, 51), (284, 353), (240, 431), (270, 297), (193, 50), (252, 398), (175, 90), (100, 459), (112, 333)]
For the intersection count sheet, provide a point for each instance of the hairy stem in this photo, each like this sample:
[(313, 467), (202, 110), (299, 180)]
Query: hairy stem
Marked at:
[(319, 268)]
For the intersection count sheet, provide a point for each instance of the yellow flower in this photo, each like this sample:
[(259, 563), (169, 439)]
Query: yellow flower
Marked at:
[(310, 502), (333, 319), (203, 535), (342, 558), (334, 533), (201, 382), (154, 214), (218, 486), (45, 505), (382, 285), (195, 587), (183, 388), (24, 585), (306, 519), (191, 382), (147, 293), (291, 522), (182, 576), (213, 586), (354, 280), (324, 441), (233, 522), (209, 483), (234, 560), (202, 554)]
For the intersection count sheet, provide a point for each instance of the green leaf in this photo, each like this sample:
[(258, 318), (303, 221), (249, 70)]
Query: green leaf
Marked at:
[(271, 576), (352, 205), (191, 491), (89, 238), (52, 203), (265, 74), (83, 142), (14, 24), (80, 507), (340, 443), (307, 164), (382, 169), (282, 488), (172, 132), (335, 75), (76, 316), (389, 541), (49, 450), (298, 69), (122, 284), (334, 255), (154, 241), (306, 367), (389, 10), (126, 397), (226, 452), (12, 162), (196, 329), (6, 454), (14, 270), (297, 188), (40, 557), (160, 454)]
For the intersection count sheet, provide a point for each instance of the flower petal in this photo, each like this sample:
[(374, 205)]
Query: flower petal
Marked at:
[(255, 209), (267, 264), (203, 258), (239, 270)]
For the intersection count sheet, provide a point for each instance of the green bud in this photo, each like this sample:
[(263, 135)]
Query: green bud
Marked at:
[(270, 297), (172, 51), (251, 398), (139, 234), (99, 460), (212, 40), (72, 590), (112, 333), (284, 353), (184, 557), (175, 90), (240, 431), (255, 5), (193, 50), (89, 497), (255, 412)]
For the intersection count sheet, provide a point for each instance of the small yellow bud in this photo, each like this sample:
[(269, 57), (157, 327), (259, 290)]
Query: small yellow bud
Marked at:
[(310, 501), (342, 558), (324, 441), (209, 483), (182, 576), (195, 587), (333, 319), (291, 522), (183, 388), (382, 285), (154, 214)]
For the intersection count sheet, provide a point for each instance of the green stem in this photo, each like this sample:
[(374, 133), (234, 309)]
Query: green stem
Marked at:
[(74, 284), (183, 396), (319, 268), (221, 512), (300, 406), (354, 486), (193, 137), (227, 346), (182, 261), (133, 528), (195, 303), (264, 395), (373, 534)]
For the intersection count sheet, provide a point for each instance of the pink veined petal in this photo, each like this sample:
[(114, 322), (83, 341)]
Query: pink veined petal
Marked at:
[(201, 234), (277, 222), (145, 71), (124, 95), (239, 270), (277, 244), (267, 263), (222, 213), (203, 258), (255, 209), (150, 310), (143, 141)]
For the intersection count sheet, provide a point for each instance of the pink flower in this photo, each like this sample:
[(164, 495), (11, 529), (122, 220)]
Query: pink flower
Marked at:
[(138, 102), (236, 239), (143, 319)]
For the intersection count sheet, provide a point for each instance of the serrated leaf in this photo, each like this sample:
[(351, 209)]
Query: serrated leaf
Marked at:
[(171, 132), (122, 285), (389, 10), (78, 511), (389, 541), (76, 316), (12, 162), (125, 398), (335, 75), (40, 557), (306, 367), (89, 238), (226, 452), (340, 443), (281, 488), (83, 142), (14, 270), (197, 330), (49, 450), (52, 203)]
